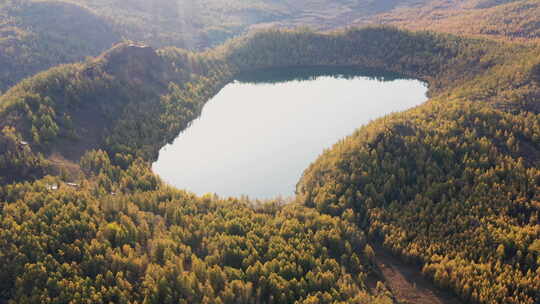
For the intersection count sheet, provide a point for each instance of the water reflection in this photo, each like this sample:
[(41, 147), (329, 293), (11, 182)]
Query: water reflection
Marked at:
[(259, 133), (280, 75)]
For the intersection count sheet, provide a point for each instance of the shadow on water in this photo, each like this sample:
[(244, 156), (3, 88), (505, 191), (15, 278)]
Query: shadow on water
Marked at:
[(282, 75)]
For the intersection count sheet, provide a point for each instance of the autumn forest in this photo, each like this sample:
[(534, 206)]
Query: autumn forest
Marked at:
[(450, 188)]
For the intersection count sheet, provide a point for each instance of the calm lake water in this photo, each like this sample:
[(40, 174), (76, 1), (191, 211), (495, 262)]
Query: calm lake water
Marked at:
[(259, 133)]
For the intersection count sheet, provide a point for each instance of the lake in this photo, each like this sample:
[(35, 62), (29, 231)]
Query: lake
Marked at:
[(258, 134)]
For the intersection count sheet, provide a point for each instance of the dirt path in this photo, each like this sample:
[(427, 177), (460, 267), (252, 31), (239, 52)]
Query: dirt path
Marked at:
[(407, 283)]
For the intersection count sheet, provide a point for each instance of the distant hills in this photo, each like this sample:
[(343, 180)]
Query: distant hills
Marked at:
[(38, 34), (504, 20)]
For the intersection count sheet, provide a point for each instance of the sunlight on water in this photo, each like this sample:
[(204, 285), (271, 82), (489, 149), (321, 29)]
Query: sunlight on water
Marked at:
[(256, 138)]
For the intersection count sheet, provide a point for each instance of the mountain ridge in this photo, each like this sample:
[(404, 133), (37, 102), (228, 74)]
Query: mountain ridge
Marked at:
[(36, 34)]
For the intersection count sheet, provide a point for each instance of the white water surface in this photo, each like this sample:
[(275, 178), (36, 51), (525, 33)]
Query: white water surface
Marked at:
[(256, 139)]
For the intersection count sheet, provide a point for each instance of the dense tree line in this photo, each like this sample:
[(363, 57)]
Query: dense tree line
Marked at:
[(446, 62), (124, 237), (454, 186), (75, 107), (17, 161)]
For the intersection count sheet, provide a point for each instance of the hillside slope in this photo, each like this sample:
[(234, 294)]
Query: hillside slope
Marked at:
[(37, 35), (503, 20), (125, 237), (132, 99), (451, 185)]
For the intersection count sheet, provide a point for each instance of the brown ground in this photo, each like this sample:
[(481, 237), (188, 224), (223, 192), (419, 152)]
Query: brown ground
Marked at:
[(407, 282), (89, 126), (63, 166)]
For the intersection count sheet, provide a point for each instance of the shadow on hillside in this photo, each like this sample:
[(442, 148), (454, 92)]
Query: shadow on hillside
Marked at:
[(407, 282), (280, 74)]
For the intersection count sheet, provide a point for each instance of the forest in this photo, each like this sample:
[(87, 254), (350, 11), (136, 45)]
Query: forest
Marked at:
[(502, 20), (452, 186), (36, 35), (123, 236)]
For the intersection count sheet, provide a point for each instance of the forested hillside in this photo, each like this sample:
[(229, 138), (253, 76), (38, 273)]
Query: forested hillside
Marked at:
[(37, 35), (452, 185), (129, 101), (504, 20), (125, 237), (73, 108)]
